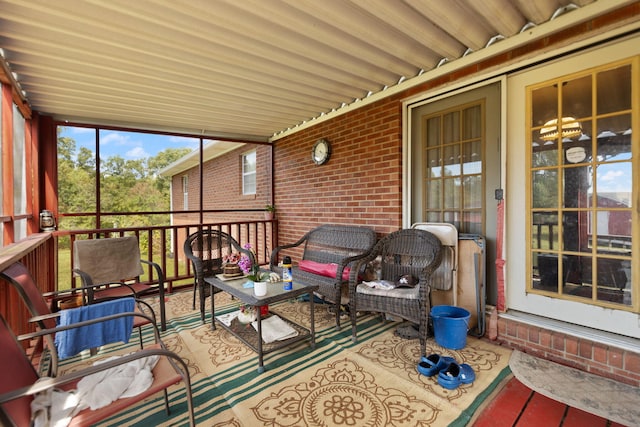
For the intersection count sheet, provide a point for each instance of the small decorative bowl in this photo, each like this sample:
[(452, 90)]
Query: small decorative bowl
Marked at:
[(247, 316)]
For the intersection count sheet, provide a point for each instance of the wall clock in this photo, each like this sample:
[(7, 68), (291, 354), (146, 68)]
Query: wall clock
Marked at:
[(321, 151)]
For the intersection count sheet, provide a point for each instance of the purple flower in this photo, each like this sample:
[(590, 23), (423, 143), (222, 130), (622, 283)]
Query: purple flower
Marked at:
[(245, 264)]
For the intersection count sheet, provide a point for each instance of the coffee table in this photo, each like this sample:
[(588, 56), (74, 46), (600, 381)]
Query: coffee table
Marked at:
[(275, 293)]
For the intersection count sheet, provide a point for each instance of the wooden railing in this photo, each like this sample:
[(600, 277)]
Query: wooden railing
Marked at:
[(34, 252), (46, 254), (164, 246)]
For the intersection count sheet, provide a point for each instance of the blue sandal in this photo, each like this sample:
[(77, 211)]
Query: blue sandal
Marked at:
[(449, 377), (467, 376), (434, 363)]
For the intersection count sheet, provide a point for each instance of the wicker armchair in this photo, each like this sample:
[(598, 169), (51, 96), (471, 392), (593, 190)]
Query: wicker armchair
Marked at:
[(329, 244), (411, 252), (206, 249)]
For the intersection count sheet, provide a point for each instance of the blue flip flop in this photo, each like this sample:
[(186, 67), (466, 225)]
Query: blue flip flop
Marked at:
[(449, 377), (434, 363), (467, 375)]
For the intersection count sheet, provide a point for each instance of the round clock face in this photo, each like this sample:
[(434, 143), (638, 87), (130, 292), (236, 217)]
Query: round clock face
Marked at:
[(321, 151)]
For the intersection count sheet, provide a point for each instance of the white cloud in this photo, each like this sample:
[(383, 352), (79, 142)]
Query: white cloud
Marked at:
[(115, 138), (612, 175), (77, 130), (137, 153)]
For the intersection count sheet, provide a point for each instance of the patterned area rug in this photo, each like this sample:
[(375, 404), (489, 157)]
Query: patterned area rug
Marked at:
[(372, 383)]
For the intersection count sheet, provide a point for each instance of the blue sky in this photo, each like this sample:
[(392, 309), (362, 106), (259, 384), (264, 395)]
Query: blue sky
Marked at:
[(129, 145)]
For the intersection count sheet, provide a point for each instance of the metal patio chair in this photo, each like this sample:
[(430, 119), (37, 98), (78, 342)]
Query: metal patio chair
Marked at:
[(111, 268), (43, 309), (21, 382)]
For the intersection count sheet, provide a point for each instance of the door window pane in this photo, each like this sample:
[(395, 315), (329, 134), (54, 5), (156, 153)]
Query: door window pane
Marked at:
[(614, 90), (452, 160), (433, 131), (473, 222), (472, 122), (545, 188), (454, 167), (610, 185), (614, 138), (472, 189), (587, 254), (452, 193), (434, 163), (545, 230), (471, 158), (451, 125), (544, 105), (434, 194), (576, 97)]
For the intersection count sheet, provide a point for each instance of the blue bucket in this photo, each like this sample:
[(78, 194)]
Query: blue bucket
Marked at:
[(450, 326)]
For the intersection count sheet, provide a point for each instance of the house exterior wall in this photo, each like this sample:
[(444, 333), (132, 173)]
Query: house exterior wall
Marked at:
[(223, 188), (362, 184), (223, 191)]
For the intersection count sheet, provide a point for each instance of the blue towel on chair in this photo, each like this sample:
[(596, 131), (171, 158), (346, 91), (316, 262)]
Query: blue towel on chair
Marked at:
[(73, 341)]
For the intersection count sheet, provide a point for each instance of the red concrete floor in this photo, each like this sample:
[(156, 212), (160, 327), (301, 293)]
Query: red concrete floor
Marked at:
[(516, 405)]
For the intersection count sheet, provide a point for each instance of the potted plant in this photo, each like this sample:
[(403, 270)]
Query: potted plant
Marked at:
[(269, 211)]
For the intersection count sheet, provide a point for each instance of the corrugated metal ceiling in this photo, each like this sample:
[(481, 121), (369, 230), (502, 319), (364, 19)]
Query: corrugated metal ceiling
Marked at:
[(246, 69)]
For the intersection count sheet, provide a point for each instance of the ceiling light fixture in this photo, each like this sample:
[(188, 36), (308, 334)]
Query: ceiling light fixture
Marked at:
[(569, 127)]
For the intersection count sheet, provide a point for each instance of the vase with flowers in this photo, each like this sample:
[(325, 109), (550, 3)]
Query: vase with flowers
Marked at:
[(250, 268), (269, 212), (230, 267)]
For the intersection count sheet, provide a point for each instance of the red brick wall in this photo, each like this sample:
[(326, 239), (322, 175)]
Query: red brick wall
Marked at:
[(223, 187), (222, 178), (580, 353), (360, 184)]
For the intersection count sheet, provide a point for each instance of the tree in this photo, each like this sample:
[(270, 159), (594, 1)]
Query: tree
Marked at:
[(161, 161), (125, 186)]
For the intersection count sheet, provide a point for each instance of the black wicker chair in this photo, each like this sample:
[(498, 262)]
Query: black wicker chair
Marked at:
[(411, 252), (206, 249), (329, 244)]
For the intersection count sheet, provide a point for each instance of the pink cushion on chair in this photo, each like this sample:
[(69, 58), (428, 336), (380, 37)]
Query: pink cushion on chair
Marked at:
[(327, 270)]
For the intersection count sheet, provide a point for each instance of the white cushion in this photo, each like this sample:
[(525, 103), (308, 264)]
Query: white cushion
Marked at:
[(406, 293)]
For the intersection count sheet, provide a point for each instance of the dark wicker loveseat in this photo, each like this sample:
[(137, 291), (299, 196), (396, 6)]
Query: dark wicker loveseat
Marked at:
[(328, 244)]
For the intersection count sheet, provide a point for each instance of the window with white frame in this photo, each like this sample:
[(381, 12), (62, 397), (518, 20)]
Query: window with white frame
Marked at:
[(185, 192), (249, 173)]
